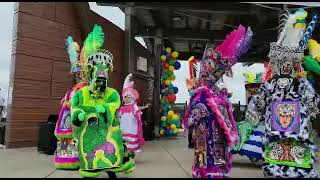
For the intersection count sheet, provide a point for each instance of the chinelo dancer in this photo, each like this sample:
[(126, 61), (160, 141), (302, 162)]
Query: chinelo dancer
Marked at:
[(93, 112), (66, 154), (210, 111), (286, 104)]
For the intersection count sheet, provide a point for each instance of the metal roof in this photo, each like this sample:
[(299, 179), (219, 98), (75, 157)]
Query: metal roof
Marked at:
[(188, 26)]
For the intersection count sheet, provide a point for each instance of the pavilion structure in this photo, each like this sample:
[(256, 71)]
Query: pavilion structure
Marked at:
[(187, 27)]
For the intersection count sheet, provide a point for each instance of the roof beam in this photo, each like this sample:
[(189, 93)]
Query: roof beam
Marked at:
[(205, 7), (188, 34)]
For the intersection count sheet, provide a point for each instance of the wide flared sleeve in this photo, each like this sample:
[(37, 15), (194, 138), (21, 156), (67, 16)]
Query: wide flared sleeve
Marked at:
[(254, 113)]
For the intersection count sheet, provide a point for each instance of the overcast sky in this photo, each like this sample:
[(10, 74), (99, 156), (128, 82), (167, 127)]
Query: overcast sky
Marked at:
[(6, 14), (116, 16)]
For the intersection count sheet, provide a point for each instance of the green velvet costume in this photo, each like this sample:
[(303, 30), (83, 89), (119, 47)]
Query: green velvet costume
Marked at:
[(93, 112)]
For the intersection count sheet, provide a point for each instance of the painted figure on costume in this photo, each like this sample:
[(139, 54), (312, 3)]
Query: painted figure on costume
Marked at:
[(130, 117), (93, 112), (286, 104), (210, 112)]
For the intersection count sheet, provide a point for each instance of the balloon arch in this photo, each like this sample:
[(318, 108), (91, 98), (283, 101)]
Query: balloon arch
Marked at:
[(169, 119)]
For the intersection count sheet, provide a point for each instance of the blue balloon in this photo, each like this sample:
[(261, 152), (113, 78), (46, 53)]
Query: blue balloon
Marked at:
[(170, 86), (175, 90), (163, 52), (168, 56), (177, 65), (166, 132)]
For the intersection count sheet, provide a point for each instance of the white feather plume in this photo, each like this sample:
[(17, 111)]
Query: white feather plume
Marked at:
[(196, 68), (128, 81)]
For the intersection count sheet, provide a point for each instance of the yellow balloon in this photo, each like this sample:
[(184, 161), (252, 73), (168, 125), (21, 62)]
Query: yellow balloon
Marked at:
[(170, 113), (162, 132), (167, 82), (163, 57), (175, 117), (175, 54), (163, 118), (171, 68), (175, 131), (168, 50), (173, 126)]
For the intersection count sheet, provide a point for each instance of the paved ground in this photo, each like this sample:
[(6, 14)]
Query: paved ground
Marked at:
[(159, 158)]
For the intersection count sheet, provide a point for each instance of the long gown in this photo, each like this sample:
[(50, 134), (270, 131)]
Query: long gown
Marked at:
[(210, 113), (66, 155), (131, 126)]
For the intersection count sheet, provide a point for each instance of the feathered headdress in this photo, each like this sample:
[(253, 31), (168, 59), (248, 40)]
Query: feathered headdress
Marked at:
[(128, 83), (94, 41), (288, 46), (225, 55), (236, 44), (73, 49), (93, 49), (128, 88)]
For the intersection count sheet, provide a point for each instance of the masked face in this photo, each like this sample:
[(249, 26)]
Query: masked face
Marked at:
[(99, 66), (99, 76), (127, 99)]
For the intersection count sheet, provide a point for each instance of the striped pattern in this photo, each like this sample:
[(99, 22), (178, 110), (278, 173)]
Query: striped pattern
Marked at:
[(132, 142), (308, 33), (253, 147)]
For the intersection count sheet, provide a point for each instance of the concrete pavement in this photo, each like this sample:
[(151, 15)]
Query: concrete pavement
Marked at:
[(165, 157)]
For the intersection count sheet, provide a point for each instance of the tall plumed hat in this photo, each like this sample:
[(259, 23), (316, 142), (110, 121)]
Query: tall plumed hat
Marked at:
[(225, 55), (73, 50), (93, 51), (291, 42), (128, 88)]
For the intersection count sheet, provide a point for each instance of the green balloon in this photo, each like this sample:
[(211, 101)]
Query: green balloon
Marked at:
[(164, 124), (170, 73), (165, 76), (171, 62), (162, 101)]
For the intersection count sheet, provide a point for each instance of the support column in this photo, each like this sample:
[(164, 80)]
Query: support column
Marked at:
[(156, 89), (129, 55)]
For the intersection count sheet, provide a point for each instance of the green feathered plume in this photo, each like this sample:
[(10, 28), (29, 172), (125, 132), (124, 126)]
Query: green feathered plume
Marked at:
[(94, 41), (311, 65)]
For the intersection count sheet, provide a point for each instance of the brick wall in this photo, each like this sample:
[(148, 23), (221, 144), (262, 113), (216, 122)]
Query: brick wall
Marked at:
[(39, 75)]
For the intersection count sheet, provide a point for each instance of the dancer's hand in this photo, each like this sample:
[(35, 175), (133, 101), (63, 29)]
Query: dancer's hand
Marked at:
[(81, 116), (100, 109)]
